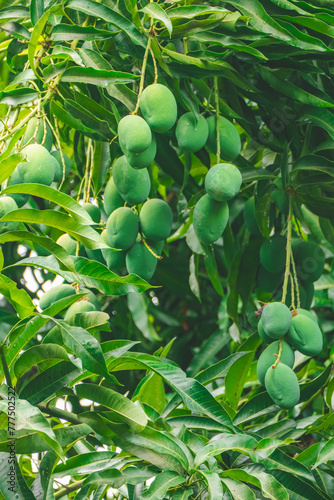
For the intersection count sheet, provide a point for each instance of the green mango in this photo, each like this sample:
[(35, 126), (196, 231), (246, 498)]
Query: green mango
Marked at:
[(139, 260), (156, 218), (276, 319), (191, 132), (309, 314), (122, 228), (20, 199), (93, 211), (54, 294), (268, 282), (134, 133), (32, 124), (309, 259), (59, 168), (273, 254), (223, 182), (230, 144), (210, 218), (7, 204), (305, 335), (111, 198), (40, 167), (262, 333), (249, 217), (158, 107), (79, 307), (282, 386), (115, 259), (268, 358), (144, 159), (133, 185)]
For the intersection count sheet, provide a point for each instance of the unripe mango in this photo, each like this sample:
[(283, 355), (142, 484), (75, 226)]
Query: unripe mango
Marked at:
[(191, 132), (309, 258), (309, 291), (95, 255), (140, 261), (40, 167), (273, 253), (282, 386), (280, 197), (54, 294), (93, 211), (144, 159), (79, 307), (111, 198), (268, 358), (115, 259), (91, 298), (32, 124), (134, 133), (158, 107), (223, 182), (133, 185), (156, 218), (276, 319), (249, 217), (122, 228), (68, 244), (305, 335), (230, 144), (7, 204), (59, 168), (268, 282), (20, 199), (262, 333), (210, 219), (309, 314)]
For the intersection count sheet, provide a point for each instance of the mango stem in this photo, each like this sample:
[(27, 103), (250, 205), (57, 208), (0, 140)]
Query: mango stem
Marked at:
[(278, 356), (288, 253), (215, 79)]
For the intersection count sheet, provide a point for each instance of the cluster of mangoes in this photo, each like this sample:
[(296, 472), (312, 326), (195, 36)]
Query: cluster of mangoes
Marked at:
[(86, 304), (284, 331)]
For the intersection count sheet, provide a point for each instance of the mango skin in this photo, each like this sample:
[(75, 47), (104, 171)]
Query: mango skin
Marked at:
[(7, 204), (282, 386), (223, 182), (93, 211), (79, 307), (249, 217), (122, 228), (133, 185), (276, 319), (140, 261), (309, 258), (144, 159), (305, 335), (115, 259), (59, 168), (307, 313), (40, 167), (156, 218), (111, 198), (95, 255), (20, 199), (91, 298), (32, 124), (273, 254), (230, 144), (262, 333), (191, 134), (210, 218), (268, 358), (134, 133), (158, 107), (54, 294)]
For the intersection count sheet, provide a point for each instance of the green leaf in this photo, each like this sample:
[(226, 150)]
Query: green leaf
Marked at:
[(36, 10), (161, 484), (220, 369), (85, 463), (236, 377), (30, 418), (138, 308), (122, 408), (155, 11), (97, 77), (269, 486), (21, 491), (309, 389), (193, 275), (92, 321), (212, 270), (238, 442), (18, 96), (261, 404), (14, 12), (16, 30), (239, 491), (38, 354), (215, 487), (18, 297), (67, 32)]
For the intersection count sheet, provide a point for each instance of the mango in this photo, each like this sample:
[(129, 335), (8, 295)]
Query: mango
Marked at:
[(7, 204), (115, 259), (140, 261), (93, 211), (262, 333), (95, 255), (156, 218), (268, 358), (111, 198), (250, 218), (210, 218), (230, 144), (273, 254), (268, 282), (79, 307), (309, 259), (40, 166), (134, 133), (305, 335), (91, 298), (309, 293), (280, 197), (144, 159), (276, 319), (122, 228), (20, 199), (133, 185), (223, 182), (59, 168), (191, 132), (54, 294), (32, 124), (282, 386), (158, 107), (68, 243), (309, 314)]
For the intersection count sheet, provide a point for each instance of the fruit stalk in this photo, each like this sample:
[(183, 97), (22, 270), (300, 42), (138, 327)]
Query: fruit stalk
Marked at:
[(288, 253), (142, 76), (279, 354), (295, 280), (215, 78)]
